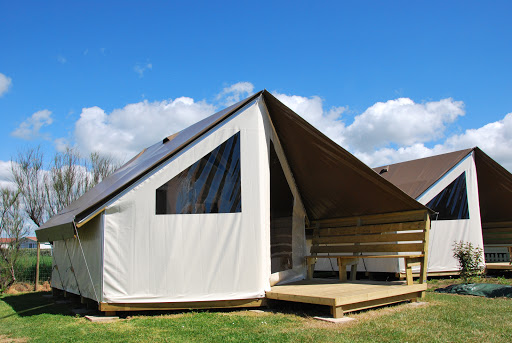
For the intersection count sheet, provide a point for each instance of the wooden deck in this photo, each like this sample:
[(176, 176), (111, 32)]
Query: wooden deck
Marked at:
[(402, 276), (347, 296), (498, 266)]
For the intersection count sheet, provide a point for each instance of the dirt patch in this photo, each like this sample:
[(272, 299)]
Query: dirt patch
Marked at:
[(45, 287), (5, 339), (19, 288), (22, 287)]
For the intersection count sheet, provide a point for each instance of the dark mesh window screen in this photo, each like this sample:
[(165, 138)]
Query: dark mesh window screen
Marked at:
[(211, 185), (452, 202)]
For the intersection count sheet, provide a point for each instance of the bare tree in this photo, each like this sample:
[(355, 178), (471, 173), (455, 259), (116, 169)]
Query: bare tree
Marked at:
[(12, 228), (66, 180), (28, 174), (101, 167), (46, 191)]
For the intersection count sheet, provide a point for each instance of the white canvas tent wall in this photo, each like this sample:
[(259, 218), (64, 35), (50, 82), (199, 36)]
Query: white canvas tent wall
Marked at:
[(489, 195), (111, 246)]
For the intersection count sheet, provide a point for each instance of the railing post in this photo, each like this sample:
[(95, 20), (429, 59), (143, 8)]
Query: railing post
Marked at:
[(424, 265)]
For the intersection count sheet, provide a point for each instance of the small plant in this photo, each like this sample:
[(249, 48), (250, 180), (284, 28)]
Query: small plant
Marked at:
[(469, 258)]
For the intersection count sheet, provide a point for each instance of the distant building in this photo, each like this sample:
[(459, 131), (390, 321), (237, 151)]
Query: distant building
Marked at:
[(25, 243)]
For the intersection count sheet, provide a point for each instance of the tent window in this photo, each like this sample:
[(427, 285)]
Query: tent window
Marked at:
[(281, 216), (211, 185), (452, 202)]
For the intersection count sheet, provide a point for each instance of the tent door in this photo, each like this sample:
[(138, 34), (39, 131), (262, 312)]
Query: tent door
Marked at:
[(281, 216)]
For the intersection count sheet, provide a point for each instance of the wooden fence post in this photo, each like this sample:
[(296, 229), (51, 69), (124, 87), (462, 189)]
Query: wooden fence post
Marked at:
[(37, 266)]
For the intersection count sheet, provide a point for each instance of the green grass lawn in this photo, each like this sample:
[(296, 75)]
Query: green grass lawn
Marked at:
[(443, 318)]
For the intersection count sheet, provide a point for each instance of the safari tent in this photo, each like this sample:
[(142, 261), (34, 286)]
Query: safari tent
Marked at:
[(215, 215), (472, 197)]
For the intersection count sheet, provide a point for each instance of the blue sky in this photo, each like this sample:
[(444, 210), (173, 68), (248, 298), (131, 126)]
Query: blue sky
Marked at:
[(389, 81)]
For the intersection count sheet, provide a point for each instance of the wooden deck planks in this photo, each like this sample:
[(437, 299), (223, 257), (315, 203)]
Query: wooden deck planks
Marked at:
[(346, 296), (371, 294), (498, 266)]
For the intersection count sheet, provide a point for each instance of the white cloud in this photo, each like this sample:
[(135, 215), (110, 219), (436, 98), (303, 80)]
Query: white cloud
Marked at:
[(400, 130), (311, 109), (496, 136), (30, 128), (6, 175), (234, 93), (385, 156), (385, 133), (61, 144), (61, 59), (402, 122), (141, 68), (5, 83), (495, 139), (126, 131)]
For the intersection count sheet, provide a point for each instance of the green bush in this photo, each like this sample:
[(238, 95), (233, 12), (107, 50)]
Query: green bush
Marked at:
[(470, 260)]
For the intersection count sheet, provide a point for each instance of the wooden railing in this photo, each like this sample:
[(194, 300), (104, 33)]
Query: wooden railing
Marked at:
[(498, 234), (393, 235)]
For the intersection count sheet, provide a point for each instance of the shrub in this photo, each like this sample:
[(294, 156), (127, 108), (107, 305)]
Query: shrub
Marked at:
[(469, 258)]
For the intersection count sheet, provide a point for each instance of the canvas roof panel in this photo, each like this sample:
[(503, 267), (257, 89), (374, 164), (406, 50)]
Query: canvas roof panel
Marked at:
[(494, 188), (332, 182), (416, 176)]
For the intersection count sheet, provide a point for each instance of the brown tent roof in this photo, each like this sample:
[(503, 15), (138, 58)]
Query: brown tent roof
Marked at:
[(331, 181), (414, 177), (494, 189), (494, 182)]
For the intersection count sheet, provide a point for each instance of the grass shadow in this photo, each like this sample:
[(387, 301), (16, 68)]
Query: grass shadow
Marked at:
[(36, 303)]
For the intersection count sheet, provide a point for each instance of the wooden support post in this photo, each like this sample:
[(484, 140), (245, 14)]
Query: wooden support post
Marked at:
[(510, 253), (337, 312), (343, 262), (36, 282), (342, 269), (353, 272), (109, 313), (409, 262), (311, 267), (424, 264), (353, 268), (408, 272)]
